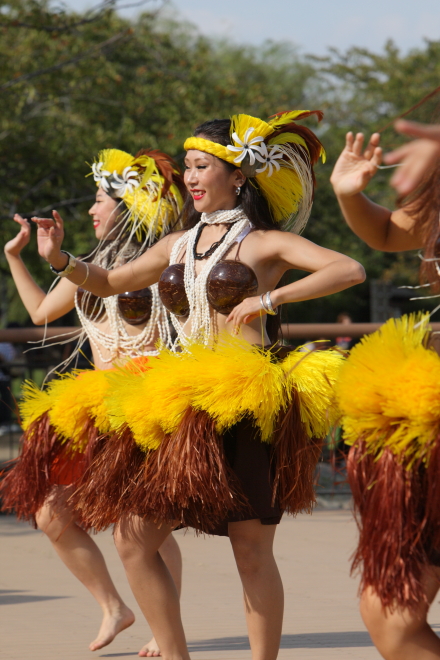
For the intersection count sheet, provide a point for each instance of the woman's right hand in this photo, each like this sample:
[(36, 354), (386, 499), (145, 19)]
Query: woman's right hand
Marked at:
[(354, 169), (16, 244), (50, 234)]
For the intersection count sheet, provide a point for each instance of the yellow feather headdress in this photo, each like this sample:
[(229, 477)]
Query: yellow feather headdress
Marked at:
[(278, 156), (149, 184)]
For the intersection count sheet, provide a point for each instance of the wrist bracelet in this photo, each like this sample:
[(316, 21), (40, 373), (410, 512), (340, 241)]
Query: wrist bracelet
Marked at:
[(266, 304), (87, 274), (71, 263), (270, 309)]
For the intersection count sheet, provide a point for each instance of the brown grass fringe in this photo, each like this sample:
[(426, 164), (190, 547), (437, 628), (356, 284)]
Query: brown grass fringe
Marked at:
[(392, 515), (45, 460), (296, 457), (104, 492), (188, 479), (432, 529)]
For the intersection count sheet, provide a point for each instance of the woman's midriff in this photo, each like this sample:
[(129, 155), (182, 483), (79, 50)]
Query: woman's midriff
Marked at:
[(132, 330)]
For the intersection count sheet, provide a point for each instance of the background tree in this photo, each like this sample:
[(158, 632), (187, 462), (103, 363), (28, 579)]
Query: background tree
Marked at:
[(72, 84)]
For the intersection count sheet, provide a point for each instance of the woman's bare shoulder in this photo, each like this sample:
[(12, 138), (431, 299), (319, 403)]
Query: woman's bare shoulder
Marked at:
[(267, 237), (166, 243)]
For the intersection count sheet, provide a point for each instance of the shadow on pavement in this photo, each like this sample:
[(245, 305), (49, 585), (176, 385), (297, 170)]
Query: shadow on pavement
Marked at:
[(118, 655), (329, 640), (13, 597)]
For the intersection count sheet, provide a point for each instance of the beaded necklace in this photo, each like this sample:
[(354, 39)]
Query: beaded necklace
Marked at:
[(118, 342), (199, 316)]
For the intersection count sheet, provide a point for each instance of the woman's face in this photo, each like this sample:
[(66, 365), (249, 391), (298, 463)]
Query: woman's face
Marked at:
[(211, 185), (105, 214)]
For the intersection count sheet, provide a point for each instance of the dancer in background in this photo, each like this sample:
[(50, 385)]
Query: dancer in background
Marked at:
[(138, 200), (223, 433), (415, 159), (389, 393)]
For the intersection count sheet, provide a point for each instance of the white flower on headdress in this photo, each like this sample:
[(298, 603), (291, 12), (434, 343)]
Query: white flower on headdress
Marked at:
[(270, 159), (100, 175), (247, 147), (127, 182)]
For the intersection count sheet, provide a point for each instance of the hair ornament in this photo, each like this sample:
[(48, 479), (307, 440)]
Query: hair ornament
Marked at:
[(278, 156), (147, 183)]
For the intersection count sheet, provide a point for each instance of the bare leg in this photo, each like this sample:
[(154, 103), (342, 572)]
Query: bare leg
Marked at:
[(138, 543), (170, 553), (403, 634), (252, 544), (84, 559)]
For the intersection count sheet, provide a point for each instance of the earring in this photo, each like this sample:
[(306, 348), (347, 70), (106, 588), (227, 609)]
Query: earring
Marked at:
[(238, 190)]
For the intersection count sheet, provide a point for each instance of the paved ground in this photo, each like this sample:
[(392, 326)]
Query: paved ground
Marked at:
[(46, 614)]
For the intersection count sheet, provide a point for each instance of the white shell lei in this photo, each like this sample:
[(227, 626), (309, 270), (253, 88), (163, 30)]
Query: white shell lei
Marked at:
[(199, 316), (119, 343)]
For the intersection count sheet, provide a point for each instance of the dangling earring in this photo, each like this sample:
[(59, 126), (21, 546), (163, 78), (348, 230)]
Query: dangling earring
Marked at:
[(238, 190)]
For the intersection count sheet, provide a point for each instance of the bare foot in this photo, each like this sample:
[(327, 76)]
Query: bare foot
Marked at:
[(111, 625), (150, 650)]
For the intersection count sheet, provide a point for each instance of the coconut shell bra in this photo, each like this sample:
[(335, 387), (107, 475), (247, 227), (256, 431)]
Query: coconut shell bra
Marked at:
[(229, 283), (134, 306)]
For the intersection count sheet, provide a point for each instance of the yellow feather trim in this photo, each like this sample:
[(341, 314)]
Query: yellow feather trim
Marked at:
[(35, 403), (241, 123), (115, 160), (229, 381), (314, 374), (389, 390), (78, 398), (280, 120)]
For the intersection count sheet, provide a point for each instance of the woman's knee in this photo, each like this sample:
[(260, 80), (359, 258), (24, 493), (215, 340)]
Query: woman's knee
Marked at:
[(52, 519), (125, 544), (250, 556), (136, 539), (389, 629)]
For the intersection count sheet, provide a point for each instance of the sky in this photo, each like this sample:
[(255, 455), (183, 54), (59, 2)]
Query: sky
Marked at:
[(313, 25)]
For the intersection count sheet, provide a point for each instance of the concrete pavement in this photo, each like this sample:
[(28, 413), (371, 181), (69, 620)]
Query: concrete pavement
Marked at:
[(45, 614)]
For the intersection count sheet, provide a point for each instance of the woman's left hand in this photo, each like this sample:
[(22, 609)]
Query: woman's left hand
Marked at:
[(245, 312)]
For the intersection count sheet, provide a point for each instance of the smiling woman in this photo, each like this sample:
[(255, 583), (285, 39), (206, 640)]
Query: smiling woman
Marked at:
[(221, 433), (137, 201)]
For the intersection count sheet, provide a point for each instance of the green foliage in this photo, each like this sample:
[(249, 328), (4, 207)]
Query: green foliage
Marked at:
[(73, 84)]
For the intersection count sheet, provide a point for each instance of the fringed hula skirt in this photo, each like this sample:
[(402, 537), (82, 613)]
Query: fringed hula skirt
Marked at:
[(389, 394), (198, 438)]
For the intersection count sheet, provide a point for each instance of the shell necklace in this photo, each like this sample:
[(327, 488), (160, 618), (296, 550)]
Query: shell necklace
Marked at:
[(118, 343), (199, 317)]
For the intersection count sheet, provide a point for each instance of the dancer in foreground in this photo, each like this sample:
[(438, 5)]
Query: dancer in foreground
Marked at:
[(389, 393), (137, 201), (223, 433)]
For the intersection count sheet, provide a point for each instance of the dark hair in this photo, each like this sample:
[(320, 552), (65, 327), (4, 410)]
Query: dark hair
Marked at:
[(253, 202)]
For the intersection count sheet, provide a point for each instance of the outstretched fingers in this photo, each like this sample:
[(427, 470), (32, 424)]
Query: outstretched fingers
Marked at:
[(58, 219), (416, 130), (358, 144), (349, 139), (24, 224), (373, 144)]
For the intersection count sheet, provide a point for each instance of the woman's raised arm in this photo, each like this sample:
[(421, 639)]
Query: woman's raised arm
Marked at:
[(380, 228), (140, 273), (42, 307)]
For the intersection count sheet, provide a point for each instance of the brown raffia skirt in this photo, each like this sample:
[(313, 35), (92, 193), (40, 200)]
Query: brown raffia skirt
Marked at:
[(252, 464), (199, 479), (397, 511), (45, 461)]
